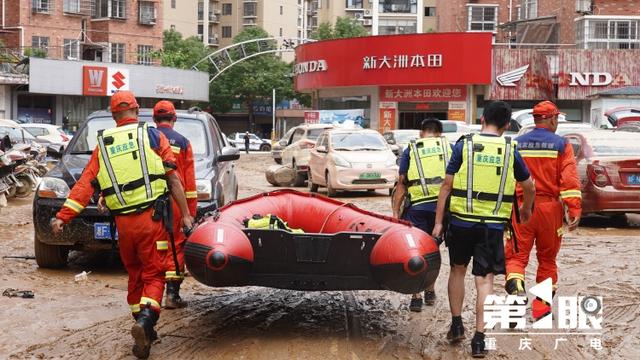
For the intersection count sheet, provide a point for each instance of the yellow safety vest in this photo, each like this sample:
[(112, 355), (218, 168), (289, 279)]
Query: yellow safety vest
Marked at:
[(131, 175), (483, 189), (428, 158), (269, 222)]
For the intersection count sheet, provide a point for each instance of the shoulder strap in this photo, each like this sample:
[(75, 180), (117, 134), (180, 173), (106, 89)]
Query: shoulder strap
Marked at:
[(418, 163), (107, 165), (505, 170), (469, 144), (143, 158)]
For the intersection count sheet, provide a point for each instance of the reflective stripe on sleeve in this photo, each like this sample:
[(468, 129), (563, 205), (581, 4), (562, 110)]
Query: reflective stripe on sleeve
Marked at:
[(145, 301), (73, 205), (135, 308), (162, 245), (172, 275), (570, 194), (191, 194), (515, 276), (539, 153), (175, 149)]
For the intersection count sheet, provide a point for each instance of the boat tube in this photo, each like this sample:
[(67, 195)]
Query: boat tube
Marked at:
[(342, 247)]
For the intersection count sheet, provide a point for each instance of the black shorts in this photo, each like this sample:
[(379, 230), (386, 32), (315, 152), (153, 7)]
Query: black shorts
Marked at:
[(485, 245)]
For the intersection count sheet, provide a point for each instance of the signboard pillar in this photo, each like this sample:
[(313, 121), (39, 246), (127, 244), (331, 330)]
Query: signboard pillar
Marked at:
[(388, 113)]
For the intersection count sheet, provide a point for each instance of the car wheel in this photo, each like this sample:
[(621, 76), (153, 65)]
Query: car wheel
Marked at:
[(299, 176), (312, 187), (50, 256), (331, 192), (27, 186), (265, 147)]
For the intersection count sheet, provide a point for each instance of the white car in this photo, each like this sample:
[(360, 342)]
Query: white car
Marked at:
[(255, 143), (296, 153), (52, 133), (522, 118), (452, 130), (563, 128)]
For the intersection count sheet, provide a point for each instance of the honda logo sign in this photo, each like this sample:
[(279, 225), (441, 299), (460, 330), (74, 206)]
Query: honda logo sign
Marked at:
[(510, 78)]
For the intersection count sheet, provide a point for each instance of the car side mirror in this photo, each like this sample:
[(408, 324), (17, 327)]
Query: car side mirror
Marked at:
[(322, 149), (282, 142), (228, 154), (54, 151), (391, 142)]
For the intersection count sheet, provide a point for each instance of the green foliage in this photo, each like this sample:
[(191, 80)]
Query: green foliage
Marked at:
[(253, 78), (35, 52), (181, 53), (345, 27)]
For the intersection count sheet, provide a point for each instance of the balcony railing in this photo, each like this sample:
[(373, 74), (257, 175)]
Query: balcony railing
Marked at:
[(213, 40), (214, 18)]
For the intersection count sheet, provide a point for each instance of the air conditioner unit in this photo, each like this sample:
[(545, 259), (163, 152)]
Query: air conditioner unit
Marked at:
[(359, 16), (368, 22), (368, 13), (200, 37), (583, 6)]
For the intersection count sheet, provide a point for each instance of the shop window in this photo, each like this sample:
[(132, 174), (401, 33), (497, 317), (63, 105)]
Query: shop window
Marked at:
[(482, 18), (145, 55), (528, 9), (71, 49), (117, 53), (226, 31), (398, 6), (40, 42), (227, 9)]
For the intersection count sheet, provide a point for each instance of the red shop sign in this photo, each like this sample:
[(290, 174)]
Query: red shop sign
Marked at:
[(438, 58), (423, 93)]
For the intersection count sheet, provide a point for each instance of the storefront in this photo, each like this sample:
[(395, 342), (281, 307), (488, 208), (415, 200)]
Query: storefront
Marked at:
[(396, 81), (59, 88)]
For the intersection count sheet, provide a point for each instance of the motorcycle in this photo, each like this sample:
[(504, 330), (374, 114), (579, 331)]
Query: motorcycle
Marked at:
[(26, 172)]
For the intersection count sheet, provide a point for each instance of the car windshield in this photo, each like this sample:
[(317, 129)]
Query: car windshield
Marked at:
[(357, 141), (615, 144), (314, 134), (86, 139), (14, 134), (403, 137)]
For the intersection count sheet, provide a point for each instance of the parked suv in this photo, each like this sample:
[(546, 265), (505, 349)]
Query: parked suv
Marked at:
[(215, 181), (299, 144)]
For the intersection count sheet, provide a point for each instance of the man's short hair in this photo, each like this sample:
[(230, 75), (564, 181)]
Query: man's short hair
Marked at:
[(431, 125), (497, 113), (164, 118)]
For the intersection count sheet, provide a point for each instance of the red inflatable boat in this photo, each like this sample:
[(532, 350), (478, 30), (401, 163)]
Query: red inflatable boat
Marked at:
[(342, 247)]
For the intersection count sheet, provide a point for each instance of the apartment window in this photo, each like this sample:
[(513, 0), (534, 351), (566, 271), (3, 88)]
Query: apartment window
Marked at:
[(40, 42), (144, 54), (200, 29), (598, 32), (483, 18), (110, 8), (71, 49), (147, 11), (429, 11), (200, 11), (173, 4), (393, 26), (226, 9), (529, 9), (250, 9), (117, 53), (71, 6), (42, 6), (281, 10), (354, 4), (226, 31), (280, 31), (398, 6)]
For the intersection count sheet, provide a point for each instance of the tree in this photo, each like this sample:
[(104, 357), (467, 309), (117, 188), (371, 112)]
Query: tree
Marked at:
[(252, 79), (181, 53), (345, 27)]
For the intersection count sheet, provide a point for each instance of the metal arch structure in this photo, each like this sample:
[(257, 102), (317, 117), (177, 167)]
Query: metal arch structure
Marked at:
[(221, 60)]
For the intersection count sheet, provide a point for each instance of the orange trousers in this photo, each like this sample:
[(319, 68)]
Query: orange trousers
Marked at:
[(179, 238), (545, 231), (143, 246)]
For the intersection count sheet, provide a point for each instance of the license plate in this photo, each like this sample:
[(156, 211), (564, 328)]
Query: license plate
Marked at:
[(633, 179), (370, 175), (102, 231)]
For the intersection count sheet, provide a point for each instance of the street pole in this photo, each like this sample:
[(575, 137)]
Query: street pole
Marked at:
[(273, 116)]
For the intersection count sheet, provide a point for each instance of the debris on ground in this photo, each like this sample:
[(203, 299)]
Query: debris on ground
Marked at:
[(10, 292)]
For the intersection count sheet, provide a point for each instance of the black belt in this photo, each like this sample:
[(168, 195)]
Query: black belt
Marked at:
[(132, 185), (483, 196)]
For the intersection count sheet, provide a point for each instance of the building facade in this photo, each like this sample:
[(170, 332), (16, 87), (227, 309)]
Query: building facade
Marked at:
[(182, 16)]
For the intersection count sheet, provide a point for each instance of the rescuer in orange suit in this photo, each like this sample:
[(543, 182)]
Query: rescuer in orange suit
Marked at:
[(121, 154), (552, 164), (164, 115)]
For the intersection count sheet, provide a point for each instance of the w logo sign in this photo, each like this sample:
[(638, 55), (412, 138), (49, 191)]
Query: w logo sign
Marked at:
[(94, 81)]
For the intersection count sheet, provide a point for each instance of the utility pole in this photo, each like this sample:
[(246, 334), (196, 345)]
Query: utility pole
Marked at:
[(273, 116)]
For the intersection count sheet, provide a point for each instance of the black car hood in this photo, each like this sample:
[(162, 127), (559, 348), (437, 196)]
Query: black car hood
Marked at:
[(70, 168)]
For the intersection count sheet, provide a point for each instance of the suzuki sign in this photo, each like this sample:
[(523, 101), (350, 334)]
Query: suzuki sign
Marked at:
[(103, 80)]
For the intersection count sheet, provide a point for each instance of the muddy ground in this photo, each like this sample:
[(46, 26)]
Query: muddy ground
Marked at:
[(90, 320)]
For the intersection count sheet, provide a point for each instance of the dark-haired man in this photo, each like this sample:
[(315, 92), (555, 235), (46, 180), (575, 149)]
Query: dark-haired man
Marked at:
[(422, 170), (481, 179)]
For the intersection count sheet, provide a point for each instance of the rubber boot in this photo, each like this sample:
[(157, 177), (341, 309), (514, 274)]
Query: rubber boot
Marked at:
[(173, 299), (515, 287), (142, 332), (477, 345), (154, 334)]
